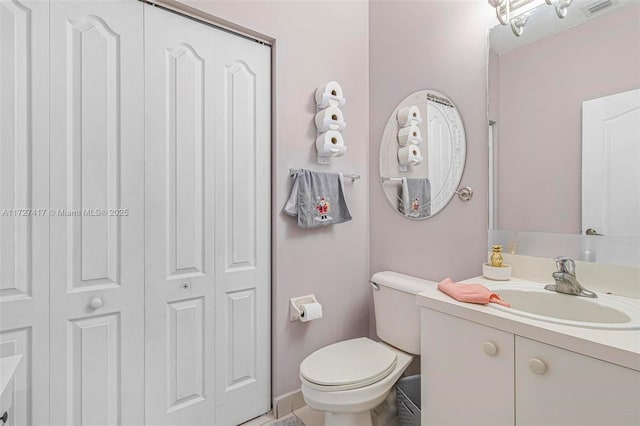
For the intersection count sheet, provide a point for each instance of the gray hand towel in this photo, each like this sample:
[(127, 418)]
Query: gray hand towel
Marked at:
[(317, 199), (415, 197)]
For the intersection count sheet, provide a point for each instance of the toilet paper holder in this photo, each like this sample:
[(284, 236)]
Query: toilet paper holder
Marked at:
[(295, 303), (329, 94), (329, 118)]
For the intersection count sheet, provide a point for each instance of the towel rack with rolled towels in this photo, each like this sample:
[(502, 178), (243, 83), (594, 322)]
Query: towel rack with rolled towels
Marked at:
[(351, 176)]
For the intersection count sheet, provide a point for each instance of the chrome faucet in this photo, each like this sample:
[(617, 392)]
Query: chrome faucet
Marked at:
[(566, 281)]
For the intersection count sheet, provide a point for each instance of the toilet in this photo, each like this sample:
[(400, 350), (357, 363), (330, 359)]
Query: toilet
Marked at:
[(347, 379)]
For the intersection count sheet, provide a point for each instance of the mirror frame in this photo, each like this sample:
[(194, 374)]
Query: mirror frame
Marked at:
[(458, 152)]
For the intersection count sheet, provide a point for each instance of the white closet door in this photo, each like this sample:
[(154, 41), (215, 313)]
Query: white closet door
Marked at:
[(208, 203), (242, 229), (97, 181), (24, 185), (179, 221)]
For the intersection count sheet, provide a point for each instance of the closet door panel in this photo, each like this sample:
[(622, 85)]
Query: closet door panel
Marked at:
[(208, 220), (186, 339), (239, 163), (185, 144), (243, 264), (93, 369), (97, 231), (92, 151), (24, 204), (179, 198)]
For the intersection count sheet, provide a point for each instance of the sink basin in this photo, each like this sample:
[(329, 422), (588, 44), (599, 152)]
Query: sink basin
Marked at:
[(533, 301)]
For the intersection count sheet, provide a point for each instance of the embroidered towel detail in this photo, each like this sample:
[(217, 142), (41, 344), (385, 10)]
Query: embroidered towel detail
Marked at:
[(472, 293), (317, 199), (415, 197)]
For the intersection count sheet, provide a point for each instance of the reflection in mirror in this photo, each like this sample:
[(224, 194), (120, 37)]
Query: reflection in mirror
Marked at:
[(610, 165), (538, 93), (422, 154)]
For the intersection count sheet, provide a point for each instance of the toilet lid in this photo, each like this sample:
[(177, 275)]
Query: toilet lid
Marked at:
[(349, 364)]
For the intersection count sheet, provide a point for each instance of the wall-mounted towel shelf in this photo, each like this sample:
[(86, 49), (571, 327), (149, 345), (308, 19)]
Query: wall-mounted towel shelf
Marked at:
[(351, 176)]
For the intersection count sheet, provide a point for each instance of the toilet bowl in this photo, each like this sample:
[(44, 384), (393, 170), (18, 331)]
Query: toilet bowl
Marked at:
[(347, 379)]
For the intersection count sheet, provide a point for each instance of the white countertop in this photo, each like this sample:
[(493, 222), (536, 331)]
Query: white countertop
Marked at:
[(620, 347), (8, 367)]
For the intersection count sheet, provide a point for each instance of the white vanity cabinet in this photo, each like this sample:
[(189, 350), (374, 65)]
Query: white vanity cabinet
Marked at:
[(473, 374), (467, 372), (560, 387)]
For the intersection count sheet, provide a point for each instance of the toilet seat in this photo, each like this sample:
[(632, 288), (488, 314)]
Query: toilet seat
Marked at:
[(350, 364)]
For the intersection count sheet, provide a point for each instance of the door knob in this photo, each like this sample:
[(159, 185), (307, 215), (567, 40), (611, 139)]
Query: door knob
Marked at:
[(489, 348), (4, 417), (537, 366), (96, 303), (592, 231)]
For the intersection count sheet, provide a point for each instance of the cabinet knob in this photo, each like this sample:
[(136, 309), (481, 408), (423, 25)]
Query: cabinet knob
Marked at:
[(96, 303), (489, 348), (4, 417), (537, 366)]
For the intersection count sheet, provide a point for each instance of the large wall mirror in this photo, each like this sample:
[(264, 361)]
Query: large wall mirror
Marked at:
[(564, 114), (422, 154)]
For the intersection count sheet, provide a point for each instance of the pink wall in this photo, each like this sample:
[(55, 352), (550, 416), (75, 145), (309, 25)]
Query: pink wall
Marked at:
[(540, 133), (438, 45), (315, 42)]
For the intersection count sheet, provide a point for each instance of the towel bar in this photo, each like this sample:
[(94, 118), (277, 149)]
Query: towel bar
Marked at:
[(351, 176)]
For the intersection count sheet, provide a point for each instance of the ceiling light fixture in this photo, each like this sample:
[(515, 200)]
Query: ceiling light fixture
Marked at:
[(516, 12)]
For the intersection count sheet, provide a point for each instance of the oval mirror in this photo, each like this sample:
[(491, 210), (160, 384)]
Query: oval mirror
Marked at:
[(422, 154)]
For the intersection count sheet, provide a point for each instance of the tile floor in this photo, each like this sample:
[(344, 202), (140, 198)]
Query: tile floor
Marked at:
[(309, 416), (304, 416)]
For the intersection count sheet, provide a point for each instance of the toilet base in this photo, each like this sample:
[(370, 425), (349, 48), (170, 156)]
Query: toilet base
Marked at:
[(362, 418)]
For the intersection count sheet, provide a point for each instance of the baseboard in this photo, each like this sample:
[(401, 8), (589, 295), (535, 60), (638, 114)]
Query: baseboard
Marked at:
[(287, 403)]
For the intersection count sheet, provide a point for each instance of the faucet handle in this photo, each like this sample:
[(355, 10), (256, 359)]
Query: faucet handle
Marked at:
[(565, 264)]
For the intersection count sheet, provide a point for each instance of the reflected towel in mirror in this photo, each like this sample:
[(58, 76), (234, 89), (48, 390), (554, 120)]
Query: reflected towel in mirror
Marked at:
[(317, 199), (415, 197)]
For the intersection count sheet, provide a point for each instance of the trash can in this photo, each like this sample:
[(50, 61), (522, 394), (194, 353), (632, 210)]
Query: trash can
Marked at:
[(408, 400)]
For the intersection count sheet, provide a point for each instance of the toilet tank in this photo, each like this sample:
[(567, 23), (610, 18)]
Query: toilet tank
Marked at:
[(396, 312)]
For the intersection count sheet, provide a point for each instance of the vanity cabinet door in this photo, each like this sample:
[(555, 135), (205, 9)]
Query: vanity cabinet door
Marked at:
[(558, 387), (467, 372)]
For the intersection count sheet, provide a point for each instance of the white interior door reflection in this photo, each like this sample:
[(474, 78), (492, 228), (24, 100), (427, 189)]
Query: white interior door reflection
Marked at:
[(439, 146), (610, 158)]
